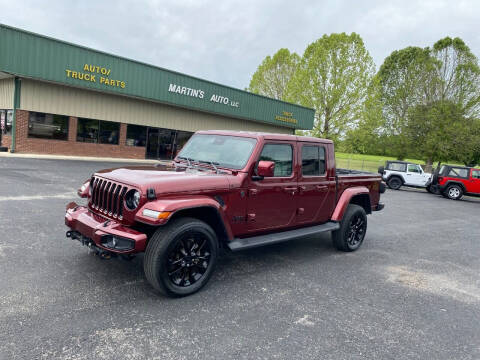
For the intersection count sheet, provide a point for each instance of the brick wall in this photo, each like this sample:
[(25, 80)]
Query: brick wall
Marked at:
[(6, 140), (24, 144)]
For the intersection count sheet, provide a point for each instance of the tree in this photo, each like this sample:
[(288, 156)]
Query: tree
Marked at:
[(406, 79), (274, 74), (333, 78), (458, 75)]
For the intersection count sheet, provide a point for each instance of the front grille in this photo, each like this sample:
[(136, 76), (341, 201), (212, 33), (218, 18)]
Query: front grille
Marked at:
[(107, 197)]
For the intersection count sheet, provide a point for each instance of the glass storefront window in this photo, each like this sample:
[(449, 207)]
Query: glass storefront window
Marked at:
[(97, 131), (109, 132), (136, 135), (6, 117), (48, 126), (165, 143)]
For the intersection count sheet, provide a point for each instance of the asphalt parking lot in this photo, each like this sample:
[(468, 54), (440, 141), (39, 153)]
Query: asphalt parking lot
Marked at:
[(411, 292)]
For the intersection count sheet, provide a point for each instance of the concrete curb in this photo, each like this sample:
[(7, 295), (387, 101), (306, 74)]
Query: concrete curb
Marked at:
[(76, 158)]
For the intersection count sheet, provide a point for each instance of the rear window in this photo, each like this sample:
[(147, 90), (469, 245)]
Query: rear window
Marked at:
[(458, 172), (396, 166)]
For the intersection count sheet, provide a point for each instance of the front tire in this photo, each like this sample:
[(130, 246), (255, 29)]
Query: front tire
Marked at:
[(454, 192), (353, 228), (394, 183), (181, 256)]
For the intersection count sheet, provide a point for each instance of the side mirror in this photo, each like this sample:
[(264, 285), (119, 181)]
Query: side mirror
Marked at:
[(265, 168)]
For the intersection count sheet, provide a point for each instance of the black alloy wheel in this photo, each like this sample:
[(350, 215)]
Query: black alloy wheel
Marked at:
[(181, 256), (356, 231), (353, 229), (394, 183), (188, 259)]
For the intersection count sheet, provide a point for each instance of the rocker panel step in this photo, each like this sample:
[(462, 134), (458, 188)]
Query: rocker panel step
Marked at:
[(255, 241)]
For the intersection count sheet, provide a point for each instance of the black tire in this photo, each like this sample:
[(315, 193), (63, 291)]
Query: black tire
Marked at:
[(429, 189), (394, 183), (165, 262), (453, 192), (353, 228)]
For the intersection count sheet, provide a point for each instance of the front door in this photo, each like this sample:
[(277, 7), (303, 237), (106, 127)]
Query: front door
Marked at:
[(414, 175), (316, 197), (474, 182), (272, 201)]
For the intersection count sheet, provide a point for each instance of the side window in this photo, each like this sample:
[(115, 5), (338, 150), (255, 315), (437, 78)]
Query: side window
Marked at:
[(396, 166), (458, 172), (313, 160), (413, 168), (281, 155), (476, 174)]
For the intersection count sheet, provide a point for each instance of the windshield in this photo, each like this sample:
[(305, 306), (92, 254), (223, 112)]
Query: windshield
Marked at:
[(230, 152)]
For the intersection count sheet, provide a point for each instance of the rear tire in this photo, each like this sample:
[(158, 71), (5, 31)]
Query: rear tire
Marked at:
[(353, 228), (181, 256), (394, 183), (453, 192)]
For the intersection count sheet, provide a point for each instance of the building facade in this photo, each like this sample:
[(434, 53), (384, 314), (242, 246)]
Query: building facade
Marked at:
[(61, 98)]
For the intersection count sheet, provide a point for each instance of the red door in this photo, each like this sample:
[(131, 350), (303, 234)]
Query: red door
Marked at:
[(272, 201), (316, 197), (474, 182)]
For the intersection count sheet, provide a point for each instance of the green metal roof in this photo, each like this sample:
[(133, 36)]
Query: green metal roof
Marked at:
[(26, 54)]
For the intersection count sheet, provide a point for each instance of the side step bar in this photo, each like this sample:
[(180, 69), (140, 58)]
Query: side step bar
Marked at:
[(255, 241)]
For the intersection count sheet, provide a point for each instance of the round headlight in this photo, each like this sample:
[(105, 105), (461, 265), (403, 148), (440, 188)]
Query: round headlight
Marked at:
[(132, 199)]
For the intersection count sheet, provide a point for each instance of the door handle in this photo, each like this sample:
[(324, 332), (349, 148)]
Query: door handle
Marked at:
[(252, 192), (321, 187), (302, 187), (291, 190)]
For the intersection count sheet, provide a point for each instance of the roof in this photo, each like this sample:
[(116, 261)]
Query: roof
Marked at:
[(30, 55), (267, 136)]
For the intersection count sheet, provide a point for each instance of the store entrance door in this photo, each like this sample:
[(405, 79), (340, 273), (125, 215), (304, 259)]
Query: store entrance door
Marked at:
[(160, 144)]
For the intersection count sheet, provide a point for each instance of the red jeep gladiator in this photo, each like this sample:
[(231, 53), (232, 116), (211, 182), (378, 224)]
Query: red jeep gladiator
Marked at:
[(239, 190)]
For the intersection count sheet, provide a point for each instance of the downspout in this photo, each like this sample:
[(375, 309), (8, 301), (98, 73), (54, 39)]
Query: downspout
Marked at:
[(16, 105)]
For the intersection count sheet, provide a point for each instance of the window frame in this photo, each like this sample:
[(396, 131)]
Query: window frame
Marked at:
[(292, 146), (324, 160)]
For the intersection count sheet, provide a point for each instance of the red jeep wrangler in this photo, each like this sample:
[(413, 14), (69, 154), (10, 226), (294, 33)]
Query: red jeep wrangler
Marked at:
[(455, 181), (236, 189)]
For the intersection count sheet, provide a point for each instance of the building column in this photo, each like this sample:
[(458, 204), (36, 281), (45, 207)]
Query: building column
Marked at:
[(16, 105), (72, 128)]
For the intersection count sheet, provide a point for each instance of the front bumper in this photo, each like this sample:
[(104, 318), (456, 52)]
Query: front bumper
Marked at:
[(101, 231)]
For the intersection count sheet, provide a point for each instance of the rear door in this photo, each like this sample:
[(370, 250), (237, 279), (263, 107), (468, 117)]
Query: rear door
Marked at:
[(316, 197), (272, 201)]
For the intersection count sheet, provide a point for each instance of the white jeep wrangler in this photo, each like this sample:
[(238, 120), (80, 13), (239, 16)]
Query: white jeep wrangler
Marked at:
[(398, 173)]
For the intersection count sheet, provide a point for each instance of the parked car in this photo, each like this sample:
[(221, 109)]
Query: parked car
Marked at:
[(455, 181), (401, 173), (239, 190)]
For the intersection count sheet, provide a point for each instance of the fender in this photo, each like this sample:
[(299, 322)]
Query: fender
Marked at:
[(171, 206), (345, 199)]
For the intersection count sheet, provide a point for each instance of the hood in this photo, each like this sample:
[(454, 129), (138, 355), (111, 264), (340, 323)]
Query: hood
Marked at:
[(167, 179)]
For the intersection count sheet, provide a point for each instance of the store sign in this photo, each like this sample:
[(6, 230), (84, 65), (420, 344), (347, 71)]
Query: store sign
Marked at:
[(96, 74), (286, 117), (200, 94)]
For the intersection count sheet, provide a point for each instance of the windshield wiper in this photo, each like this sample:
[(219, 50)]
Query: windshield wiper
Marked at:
[(189, 160), (212, 163)]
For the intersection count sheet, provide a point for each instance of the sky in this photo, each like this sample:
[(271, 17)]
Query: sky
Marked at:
[(225, 41)]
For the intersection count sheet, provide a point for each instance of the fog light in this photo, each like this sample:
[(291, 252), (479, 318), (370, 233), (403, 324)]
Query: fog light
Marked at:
[(117, 243), (156, 214)]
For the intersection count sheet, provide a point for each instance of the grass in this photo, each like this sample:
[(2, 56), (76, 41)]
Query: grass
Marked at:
[(365, 162)]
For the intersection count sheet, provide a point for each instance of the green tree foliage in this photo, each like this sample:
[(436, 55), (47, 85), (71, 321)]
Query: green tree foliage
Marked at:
[(333, 78), (458, 75), (274, 74), (425, 94)]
